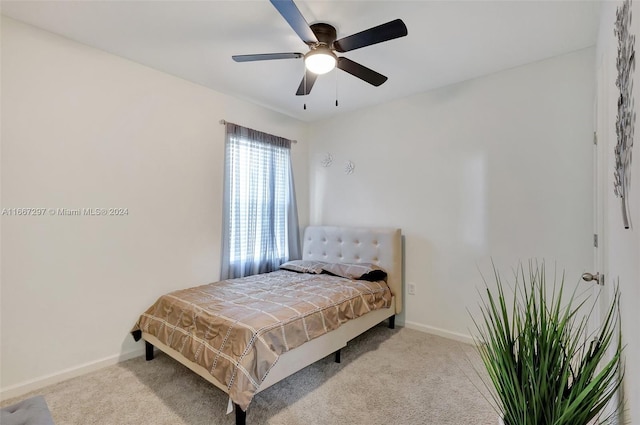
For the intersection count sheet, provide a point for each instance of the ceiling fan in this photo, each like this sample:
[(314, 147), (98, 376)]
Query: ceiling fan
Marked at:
[(322, 43)]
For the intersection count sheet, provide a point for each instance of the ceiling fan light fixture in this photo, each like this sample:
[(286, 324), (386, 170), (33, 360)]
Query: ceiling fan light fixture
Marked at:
[(320, 60)]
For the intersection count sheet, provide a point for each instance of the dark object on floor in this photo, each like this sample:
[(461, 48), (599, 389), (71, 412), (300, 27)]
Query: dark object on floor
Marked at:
[(32, 411)]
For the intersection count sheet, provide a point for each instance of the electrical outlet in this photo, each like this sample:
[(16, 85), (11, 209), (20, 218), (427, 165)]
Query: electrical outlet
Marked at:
[(412, 288)]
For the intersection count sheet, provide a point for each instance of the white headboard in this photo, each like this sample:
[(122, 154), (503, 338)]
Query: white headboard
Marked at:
[(379, 246)]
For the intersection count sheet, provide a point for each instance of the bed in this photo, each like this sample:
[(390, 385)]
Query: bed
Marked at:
[(191, 326)]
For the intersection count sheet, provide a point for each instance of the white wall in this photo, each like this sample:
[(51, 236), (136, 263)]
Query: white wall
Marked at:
[(499, 166), (83, 128), (622, 247)]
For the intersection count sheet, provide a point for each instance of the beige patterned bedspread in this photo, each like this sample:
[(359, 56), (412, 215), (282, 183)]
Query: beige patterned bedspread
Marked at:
[(238, 328)]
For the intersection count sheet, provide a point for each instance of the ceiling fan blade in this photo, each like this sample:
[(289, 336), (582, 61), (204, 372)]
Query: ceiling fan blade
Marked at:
[(361, 71), (306, 86), (294, 18), (384, 32), (266, 57)]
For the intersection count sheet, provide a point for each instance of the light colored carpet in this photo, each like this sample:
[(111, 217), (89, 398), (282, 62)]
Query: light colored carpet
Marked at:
[(386, 377)]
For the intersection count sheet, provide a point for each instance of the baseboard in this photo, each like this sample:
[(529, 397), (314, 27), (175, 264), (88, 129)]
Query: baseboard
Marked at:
[(54, 378), (467, 339)]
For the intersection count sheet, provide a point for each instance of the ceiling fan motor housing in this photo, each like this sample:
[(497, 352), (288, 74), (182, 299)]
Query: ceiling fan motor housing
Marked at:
[(325, 33)]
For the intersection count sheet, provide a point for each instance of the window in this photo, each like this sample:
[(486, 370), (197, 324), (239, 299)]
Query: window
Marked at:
[(260, 215)]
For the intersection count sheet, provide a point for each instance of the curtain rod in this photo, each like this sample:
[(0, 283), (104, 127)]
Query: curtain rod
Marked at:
[(223, 122)]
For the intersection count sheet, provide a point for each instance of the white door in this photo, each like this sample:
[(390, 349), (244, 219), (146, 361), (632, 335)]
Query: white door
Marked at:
[(604, 136)]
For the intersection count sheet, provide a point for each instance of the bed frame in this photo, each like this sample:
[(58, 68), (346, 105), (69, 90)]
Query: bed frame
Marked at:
[(380, 246)]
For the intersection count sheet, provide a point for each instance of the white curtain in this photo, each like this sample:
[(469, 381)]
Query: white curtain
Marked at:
[(260, 229)]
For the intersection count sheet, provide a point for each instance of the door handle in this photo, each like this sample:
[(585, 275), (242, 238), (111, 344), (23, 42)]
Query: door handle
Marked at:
[(588, 277)]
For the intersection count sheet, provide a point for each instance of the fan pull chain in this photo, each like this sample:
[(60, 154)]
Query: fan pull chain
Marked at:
[(304, 79), (336, 71)]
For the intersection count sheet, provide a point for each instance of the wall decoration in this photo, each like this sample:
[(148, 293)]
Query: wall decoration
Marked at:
[(349, 167), (327, 160), (625, 121)]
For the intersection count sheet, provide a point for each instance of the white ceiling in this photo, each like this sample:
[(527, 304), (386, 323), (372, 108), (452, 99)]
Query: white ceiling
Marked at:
[(448, 42)]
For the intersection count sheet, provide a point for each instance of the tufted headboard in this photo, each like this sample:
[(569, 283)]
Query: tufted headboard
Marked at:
[(380, 246)]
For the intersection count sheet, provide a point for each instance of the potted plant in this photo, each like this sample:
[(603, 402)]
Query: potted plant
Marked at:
[(544, 367)]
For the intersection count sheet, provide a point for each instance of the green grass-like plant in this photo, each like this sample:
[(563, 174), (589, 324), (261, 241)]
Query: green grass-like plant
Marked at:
[(544, 366)]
